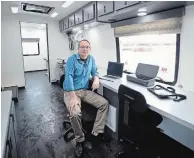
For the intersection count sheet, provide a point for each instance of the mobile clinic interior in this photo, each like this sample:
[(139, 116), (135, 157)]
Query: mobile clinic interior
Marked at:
[(151, 41)]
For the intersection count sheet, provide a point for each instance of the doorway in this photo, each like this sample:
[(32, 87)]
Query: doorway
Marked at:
[(35, 47)]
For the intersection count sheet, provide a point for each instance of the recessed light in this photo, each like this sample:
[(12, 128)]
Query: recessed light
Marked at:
[(77, 30), (54, 14), (14, 10), (142, 12), (67, 4), (86, 27)]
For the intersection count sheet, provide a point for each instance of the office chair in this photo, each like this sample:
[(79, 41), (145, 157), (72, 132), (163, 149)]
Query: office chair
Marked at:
[(62, 78), (88, 117), (137, 123)]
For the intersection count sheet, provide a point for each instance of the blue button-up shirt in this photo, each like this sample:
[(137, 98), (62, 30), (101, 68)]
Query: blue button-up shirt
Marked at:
[(77, 72)]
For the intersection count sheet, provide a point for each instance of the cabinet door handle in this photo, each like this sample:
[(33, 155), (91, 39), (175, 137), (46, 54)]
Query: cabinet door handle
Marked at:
[(125, 2), (104, 9), (78, 20)]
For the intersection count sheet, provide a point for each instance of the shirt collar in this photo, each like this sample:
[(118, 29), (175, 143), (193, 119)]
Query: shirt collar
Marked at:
[(78, 57)]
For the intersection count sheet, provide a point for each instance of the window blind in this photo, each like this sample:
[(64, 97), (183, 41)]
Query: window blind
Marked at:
[(171, 25)]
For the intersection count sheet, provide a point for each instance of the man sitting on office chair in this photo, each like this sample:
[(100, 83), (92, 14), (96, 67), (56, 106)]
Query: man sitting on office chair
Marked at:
[(79, 67)]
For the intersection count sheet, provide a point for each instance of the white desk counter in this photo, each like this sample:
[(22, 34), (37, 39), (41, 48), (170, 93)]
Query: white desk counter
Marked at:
[(6, 100), (181, 112), (178, 117)]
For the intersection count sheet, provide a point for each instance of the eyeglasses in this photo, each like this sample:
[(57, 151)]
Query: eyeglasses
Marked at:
[(84, 47)]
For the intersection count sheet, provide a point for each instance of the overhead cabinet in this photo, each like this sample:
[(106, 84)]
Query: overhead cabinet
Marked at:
[(124, 4), (105, 7), (71, 20), (89, 12), (66, 23), (122, 10), (85, 15), (61, 25), (99, 12), (79, 17), (111, 11)]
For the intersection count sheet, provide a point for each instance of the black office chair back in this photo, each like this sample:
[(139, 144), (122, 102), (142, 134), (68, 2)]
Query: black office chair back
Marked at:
[(62, 79), (132, 105), (135, 100), (135, 118)]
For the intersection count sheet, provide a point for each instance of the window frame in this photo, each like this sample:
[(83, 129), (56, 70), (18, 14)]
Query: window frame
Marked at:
[(32, 54), (176, 60)]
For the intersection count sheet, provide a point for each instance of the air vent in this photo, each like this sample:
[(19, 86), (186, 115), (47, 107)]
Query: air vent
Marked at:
[(36, 8)]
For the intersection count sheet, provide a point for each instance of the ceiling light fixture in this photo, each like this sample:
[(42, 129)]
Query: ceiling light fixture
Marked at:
[(54, 14), (142, 12), (76, 29), (14, 10), (86, 27), (67, 4)]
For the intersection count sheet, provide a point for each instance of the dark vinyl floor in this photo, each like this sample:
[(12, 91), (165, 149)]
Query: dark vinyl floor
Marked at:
[(40, 113)]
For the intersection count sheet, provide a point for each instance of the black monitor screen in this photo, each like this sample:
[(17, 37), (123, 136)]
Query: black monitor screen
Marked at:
[(115, 69)]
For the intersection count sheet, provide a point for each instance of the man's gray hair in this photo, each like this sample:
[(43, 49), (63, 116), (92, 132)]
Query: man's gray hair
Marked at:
[(83, 40)]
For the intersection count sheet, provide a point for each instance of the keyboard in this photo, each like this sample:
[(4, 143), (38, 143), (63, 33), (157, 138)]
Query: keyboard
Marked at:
[(112, 77)]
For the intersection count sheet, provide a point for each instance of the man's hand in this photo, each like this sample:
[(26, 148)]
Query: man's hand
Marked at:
[(74, 101), (95, 84)]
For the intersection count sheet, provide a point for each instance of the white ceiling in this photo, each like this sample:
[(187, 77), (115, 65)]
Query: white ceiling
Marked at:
[(63, 12)]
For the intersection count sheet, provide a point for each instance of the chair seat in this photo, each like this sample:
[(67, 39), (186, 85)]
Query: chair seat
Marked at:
[(147, 120)]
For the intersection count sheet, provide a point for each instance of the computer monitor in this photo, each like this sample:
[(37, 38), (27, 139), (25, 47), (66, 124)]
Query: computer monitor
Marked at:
[(115, 69)]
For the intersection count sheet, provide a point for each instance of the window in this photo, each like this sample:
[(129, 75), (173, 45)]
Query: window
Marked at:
[(30, 48), (157, 49)]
